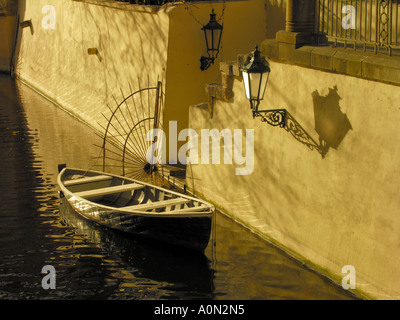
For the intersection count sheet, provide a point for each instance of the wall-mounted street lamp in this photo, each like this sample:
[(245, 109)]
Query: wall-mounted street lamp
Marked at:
[(255, 73), (255, 78), (212, 33)]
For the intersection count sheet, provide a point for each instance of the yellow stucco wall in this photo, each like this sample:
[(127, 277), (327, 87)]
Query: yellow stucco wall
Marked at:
[(137, 45), (244, 25), (132, 53), (339, 210)]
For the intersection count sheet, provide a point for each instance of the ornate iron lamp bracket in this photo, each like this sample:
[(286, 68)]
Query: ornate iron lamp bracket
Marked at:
[(206, 62), (273, 117)]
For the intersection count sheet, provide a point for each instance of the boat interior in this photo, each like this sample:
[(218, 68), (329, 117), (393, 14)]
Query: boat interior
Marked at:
[(123, 193)]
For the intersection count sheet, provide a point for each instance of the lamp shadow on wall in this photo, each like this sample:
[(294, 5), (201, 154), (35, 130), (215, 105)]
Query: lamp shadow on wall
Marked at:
[(331, 123)]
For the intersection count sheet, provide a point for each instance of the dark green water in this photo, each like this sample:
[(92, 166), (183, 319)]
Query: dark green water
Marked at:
[(38, 229)]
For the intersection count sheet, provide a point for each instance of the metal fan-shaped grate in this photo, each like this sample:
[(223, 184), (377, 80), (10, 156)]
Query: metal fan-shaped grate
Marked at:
[(125, 142)]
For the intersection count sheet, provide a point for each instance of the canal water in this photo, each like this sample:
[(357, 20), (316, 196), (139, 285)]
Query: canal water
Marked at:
[(39, 229)]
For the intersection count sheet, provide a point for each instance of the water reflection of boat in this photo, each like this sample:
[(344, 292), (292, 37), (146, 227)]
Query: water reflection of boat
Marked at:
[(139, 208), (176, 268)]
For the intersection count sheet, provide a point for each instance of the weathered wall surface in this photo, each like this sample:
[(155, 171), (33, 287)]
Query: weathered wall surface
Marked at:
[(132, 51), (137, 46), (339, 210), (244, 25)]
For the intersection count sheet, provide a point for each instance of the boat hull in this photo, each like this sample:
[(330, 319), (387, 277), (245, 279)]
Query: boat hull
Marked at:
[(187, 230)]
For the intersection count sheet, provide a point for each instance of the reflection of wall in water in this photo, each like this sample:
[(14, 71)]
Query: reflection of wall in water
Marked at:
[(59, 138)]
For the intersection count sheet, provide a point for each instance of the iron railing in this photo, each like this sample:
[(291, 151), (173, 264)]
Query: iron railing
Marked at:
[(155, 2), (146, 2), (372, 25)]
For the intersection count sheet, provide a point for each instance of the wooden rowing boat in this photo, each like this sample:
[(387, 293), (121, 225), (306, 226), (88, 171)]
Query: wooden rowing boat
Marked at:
[(137, 207)]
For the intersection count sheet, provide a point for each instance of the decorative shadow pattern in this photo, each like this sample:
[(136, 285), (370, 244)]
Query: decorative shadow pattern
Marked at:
[(331, 123), (301, 135)]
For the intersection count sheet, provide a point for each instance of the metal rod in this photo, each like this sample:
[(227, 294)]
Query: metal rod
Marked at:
[(377, 27), (323, 15), (397, 23), (333, 16), (126, 133), (137, 117), (370, 21), (337, 16), (365, 26), (327, 18), (390, 12)]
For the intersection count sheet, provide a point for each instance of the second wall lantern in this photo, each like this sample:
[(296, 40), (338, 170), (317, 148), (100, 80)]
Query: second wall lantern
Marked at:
[(255, 77), (212, 33)]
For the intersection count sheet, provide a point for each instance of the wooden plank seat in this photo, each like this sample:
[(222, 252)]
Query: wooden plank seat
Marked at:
[(192, 209), (109, 190), (158, 204), (86, 180)]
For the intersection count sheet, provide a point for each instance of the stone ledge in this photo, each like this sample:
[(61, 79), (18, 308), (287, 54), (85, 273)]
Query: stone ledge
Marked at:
[(297, 39), (347, 63), (337, 60)]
